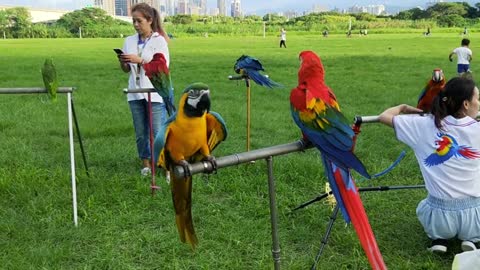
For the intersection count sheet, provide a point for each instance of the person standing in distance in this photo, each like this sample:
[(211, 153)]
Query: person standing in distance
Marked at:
[(283, 38), (464, 56), (137, 50)]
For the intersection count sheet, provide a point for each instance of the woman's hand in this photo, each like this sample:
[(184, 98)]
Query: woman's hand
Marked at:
[(387, 116), (130, 58)]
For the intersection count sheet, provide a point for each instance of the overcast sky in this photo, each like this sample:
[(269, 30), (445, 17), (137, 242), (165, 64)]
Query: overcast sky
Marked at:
[(248, 6)]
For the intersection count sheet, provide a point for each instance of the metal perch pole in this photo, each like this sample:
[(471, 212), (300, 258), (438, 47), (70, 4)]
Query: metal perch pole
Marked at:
[(247, 84), (61, 90), (153, 185), (236, 159)]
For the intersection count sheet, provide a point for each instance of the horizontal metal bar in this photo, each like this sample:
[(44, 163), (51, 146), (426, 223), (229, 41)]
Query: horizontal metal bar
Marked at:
[(237, 77), (34, 90), (235, 159), (376, 119), (139, 90)]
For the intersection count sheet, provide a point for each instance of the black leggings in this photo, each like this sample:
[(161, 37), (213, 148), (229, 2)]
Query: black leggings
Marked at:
[(282, 42)]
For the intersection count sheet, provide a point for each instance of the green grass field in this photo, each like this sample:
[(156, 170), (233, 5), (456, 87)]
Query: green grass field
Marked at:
[(121, 226)]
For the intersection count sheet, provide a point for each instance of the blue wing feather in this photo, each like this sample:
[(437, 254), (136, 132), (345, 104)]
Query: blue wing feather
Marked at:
[(337, 150), (160, 139)]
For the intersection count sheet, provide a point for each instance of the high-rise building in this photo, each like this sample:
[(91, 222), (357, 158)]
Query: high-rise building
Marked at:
[(182, 7), (222, 11), (170, 7), (107, 5), (236, 9), (121, 8)]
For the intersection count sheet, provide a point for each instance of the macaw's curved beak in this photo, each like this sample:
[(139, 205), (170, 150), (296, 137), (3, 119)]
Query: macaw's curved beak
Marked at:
[(437, 75)]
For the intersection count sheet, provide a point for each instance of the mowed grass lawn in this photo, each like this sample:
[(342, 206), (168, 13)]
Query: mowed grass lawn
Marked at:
[(121, 226)]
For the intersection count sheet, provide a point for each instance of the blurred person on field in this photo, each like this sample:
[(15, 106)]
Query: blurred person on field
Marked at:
[(447, 147), (137, 50), (464, 56)]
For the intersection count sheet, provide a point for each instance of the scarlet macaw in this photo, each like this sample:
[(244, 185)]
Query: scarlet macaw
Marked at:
[(447, 147), (188, 136), (159, 75), (316, 112), (251, 67), (49, 75), (434, 86)]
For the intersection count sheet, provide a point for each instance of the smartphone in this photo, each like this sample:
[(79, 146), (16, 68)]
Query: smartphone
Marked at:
[(118, 51)]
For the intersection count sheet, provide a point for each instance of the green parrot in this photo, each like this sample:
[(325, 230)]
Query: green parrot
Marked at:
[(50, 80), (188, 136)]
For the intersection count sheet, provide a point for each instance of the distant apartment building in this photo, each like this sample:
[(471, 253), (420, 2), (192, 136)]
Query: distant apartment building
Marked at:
[(371, 9), (236, 9), (121, 7), (107, 5), (222, 10), (182, 7), (319, 8)]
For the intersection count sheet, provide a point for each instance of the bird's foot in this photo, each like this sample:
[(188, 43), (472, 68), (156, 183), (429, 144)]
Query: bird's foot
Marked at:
[(186, 167), (212, 161)]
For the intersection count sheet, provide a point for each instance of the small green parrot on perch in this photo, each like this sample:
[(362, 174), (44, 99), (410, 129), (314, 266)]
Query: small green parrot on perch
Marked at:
[(50, 80)]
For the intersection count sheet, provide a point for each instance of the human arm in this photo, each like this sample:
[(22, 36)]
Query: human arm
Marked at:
[(450, 56), (387, 116)]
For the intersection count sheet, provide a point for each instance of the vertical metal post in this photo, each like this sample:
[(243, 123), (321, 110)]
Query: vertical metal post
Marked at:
[(72, 158), (273, 215), (247, 82), (77, 128), (152, 160)]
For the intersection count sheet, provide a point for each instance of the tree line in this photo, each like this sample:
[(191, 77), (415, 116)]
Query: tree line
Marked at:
[(95, 22)]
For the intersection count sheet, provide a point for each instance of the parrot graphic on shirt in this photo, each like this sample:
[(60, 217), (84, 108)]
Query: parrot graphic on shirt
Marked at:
[(250, 67), (188, 136), (316, 112), (432, 89), (49, 75), (447, 147), (159, 74)]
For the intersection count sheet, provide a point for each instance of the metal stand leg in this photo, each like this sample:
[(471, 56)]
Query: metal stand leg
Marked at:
[(72, 158), (247, 82), (77, 128), (152, 152), (333, 217), (273, 215)]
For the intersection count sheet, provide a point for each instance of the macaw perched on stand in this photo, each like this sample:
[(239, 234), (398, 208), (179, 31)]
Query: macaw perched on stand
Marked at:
[(434, 86), (188, 136), (159, 75), (50, 80), (250, 67), (316, 112)]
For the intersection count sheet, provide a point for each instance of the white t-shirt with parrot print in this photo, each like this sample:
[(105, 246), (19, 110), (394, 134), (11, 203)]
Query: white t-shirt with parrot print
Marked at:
[(449, 159)]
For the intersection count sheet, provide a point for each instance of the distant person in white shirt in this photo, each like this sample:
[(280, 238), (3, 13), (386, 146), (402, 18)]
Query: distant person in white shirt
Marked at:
[(464, 56), (283, 38)]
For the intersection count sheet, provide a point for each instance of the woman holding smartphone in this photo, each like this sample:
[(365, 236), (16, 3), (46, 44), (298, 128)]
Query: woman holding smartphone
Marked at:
[(137, 50)]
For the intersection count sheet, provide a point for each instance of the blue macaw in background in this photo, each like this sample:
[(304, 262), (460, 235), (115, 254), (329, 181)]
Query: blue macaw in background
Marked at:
[(250, 67)]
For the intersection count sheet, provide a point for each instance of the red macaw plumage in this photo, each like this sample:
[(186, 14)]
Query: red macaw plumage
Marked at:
[(434, 86), (316, 111)]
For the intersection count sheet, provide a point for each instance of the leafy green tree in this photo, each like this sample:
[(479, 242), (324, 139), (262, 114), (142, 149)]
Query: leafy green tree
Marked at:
[(19, 21), (451, 20), (86, 17), (445, 9), (181, 19), (365, 17)]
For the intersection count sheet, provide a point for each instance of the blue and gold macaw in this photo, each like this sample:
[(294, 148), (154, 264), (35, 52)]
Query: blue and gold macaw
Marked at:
[(316, 112), (190, 135), (250, 67)]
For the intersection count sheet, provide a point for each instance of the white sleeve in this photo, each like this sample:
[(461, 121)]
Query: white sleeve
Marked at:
[(159, 45), (407, 129)]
